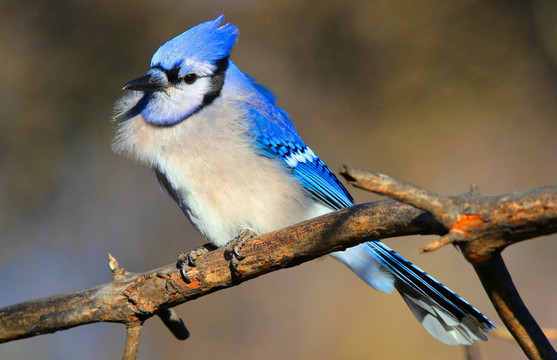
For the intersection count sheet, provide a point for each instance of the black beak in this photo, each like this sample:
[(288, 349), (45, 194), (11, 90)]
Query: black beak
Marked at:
[(144, 83)]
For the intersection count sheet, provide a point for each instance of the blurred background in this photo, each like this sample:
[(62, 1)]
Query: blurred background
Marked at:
[(437, 93)]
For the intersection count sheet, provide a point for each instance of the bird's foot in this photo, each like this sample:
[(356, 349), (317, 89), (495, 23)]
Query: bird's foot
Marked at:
[(187, 260), (233, 249)]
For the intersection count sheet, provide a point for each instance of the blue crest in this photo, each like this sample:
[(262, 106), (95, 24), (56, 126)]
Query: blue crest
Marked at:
[(206, 42)]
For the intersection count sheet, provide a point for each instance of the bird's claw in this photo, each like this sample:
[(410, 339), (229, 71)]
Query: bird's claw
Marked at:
[(233, 249), (182, 265), (237, 255), (189, 259)]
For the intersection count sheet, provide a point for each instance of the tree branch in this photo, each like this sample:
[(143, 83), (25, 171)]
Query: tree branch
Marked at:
[(481, 225), (132, 298)]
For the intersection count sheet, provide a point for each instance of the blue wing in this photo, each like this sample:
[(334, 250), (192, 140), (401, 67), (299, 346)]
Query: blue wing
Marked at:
[(275, 136)]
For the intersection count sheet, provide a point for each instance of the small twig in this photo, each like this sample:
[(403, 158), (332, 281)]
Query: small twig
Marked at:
[(113, 264), (398, 190), (114, 267), (133, 333), (174, 324), (442, 241)]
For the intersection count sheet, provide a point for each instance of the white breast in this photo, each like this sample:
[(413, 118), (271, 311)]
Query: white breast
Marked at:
[(225, 185)]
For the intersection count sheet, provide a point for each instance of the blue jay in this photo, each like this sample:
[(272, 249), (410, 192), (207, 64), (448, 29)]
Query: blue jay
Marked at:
[(235, 164)]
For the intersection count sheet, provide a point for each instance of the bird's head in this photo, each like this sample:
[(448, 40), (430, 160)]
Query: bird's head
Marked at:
[(186, 73)]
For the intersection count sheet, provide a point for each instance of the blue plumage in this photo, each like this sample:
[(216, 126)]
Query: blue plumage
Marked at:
[(206, 42), (234, 161), (284, 143)]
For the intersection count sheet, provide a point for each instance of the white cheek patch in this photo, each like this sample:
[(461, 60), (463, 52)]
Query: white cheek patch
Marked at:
[(186, 98)]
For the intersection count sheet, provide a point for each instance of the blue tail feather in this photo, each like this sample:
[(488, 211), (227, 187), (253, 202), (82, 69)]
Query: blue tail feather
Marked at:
[(435, 305)]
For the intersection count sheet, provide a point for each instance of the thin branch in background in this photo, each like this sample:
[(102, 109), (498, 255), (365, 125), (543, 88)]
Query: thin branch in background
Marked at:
[(504, 334), (472, 352)]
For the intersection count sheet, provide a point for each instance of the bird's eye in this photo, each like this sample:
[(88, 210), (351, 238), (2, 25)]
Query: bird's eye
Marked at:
[(190, 78)]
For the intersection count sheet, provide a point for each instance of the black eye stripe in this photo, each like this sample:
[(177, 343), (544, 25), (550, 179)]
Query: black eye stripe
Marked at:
[(217, 81), (173, 74)]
